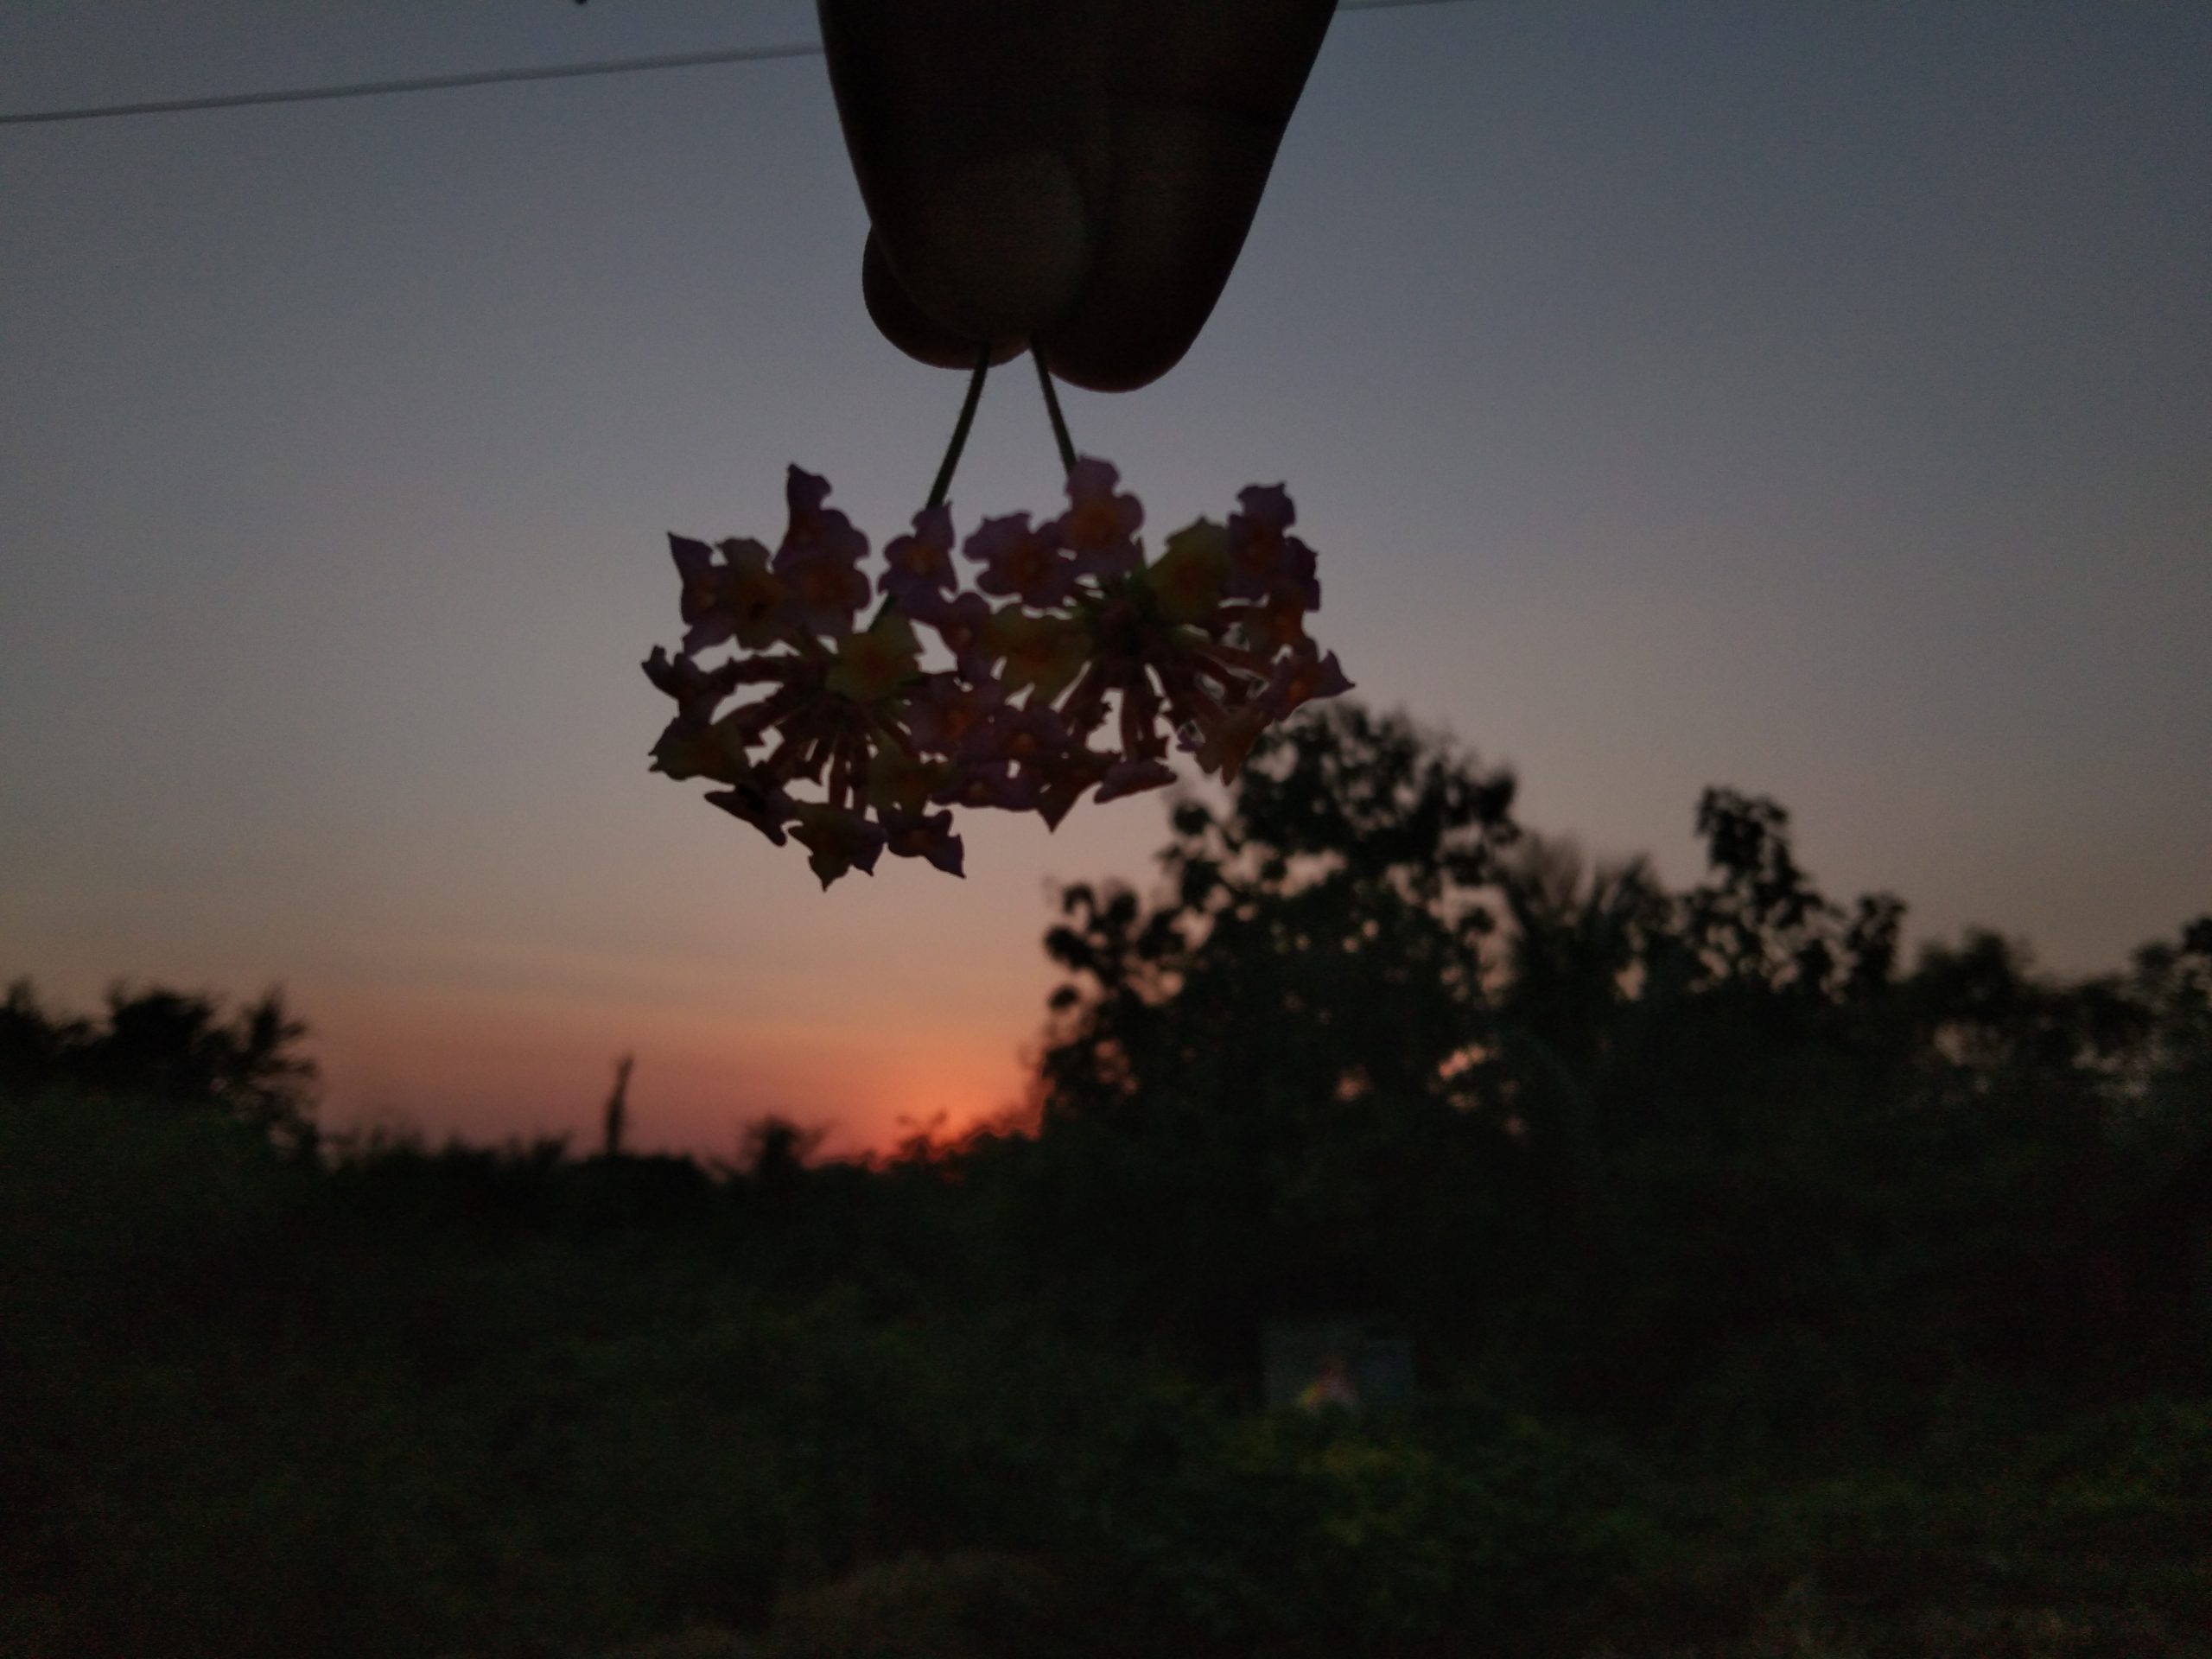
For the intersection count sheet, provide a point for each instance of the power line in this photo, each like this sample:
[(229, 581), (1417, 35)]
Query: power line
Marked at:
[(421, 84), (491, 78)]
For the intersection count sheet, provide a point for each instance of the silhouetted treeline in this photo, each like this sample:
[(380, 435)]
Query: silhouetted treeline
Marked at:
[(1377, 1047), (1766, 1293), (171, 1048)]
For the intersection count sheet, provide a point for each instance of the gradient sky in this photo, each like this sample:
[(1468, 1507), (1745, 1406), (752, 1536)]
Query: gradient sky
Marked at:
[(1817, 399)]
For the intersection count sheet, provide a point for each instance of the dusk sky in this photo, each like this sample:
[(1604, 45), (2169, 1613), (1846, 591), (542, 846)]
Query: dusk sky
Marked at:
[(1815, 399)]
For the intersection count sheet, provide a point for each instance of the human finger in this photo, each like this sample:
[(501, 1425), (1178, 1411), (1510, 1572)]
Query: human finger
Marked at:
[(1084, 172)]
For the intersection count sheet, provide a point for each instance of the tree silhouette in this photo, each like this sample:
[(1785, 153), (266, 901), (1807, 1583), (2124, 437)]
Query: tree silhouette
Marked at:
[(1256, 1096), (1375, 1047), (34, 1046), (172, 1048)]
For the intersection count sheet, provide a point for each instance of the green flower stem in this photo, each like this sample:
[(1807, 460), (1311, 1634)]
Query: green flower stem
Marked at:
[(960, 427), (1052, 408), (944, 481)]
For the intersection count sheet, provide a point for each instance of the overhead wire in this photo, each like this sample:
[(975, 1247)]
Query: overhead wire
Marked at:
[(488, 78), (420, 84)]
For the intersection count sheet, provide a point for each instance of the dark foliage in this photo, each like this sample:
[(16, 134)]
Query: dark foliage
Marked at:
[(1768, 1294), (169, 1048), (1372, 1047)]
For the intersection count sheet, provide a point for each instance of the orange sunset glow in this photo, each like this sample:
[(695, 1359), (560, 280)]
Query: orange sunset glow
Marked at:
[(510, 1068)]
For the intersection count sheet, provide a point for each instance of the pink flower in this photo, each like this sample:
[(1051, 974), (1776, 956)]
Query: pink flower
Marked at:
[(698, 691), (1264, 630), (1140, 650), (753, 596), (877, 661), (987, 783), (1043, 653), (736, 597), (1062, 775), (1223, 742), (919, 567), (819, 560), (900, 780), (964, 623), (1099, 526), (702, 592), (1133, 776), (1301, 677), (925, 835), (1190, 575), (758, 803), (692, 746), (1025, 562), (1265, 563), (941, 711), (1209, 637), (837, 839), (1017, 735), (1051, 765), (1272, 569)]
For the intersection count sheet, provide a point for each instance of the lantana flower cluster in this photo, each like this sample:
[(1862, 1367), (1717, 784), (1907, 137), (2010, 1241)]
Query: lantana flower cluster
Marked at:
[(1076, 662)]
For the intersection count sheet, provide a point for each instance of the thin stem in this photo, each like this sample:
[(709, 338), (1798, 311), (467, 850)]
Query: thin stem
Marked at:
[(960, 427), (1052, 408), (944, 481)]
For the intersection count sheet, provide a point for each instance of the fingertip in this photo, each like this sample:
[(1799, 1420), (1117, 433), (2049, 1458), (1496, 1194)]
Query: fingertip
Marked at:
[(970, 127), (1187, 184), (997, 247), (899, 320)]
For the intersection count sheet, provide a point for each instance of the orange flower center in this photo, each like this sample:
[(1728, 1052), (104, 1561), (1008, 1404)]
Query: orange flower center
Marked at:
[(1094, 521)]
